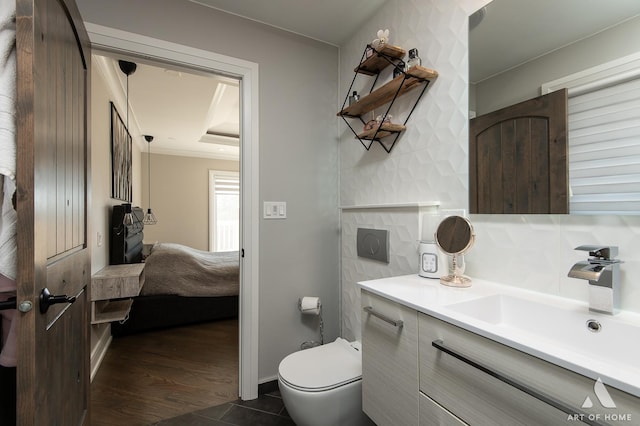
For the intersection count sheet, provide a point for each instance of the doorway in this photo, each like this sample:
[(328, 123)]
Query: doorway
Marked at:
[(185, 111), (121, 42)]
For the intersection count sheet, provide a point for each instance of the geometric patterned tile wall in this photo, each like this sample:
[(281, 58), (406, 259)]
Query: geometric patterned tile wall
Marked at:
[(429, 162), (402, 225)]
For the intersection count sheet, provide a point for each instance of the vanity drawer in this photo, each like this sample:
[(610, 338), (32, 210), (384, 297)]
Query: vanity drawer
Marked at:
[(479, 398), (389, 362), (433, 414)]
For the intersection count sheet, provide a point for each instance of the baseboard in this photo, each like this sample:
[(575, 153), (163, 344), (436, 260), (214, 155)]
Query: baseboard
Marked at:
[(268, 387), (262, 380), (100, 350)]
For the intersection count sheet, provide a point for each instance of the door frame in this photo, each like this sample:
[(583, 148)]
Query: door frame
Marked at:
[(118, 41)]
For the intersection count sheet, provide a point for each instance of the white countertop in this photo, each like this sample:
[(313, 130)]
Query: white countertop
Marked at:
[(617, 366)]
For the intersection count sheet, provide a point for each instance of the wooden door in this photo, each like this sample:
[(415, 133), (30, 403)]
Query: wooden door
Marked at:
[(52, 178), (518, 158)]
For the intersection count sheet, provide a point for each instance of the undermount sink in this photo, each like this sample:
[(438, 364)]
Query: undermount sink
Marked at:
[(566, 327), (558, 330)]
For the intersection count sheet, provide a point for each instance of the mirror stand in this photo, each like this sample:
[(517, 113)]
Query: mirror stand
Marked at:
[(456, 279), (455, 236)]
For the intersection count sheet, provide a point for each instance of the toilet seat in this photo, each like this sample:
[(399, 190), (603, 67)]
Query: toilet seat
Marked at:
[(322, 368)]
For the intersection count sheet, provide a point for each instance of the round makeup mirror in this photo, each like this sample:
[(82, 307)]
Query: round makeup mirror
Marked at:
[(455, 236)]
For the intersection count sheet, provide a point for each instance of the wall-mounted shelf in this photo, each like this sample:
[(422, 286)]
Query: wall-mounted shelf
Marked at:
[(389, 91), (377, 62), (408, 80), (112, 289), (382, 131)]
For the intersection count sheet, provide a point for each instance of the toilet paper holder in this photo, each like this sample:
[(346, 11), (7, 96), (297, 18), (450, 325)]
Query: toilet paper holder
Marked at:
[(312, 306)]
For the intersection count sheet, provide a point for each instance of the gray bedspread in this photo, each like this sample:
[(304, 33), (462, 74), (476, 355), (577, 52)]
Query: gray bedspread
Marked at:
[(184, 271)]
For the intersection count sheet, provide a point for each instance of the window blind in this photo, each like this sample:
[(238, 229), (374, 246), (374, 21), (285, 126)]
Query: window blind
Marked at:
[(228, 185), (604, 149), (224, 230)]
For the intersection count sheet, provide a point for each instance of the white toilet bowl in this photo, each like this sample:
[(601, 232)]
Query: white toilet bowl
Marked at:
[(322, 386)]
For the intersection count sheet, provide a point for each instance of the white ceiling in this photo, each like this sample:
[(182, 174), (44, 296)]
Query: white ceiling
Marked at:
[(178, 106), (515, 31), (330, 21), (187, 113)]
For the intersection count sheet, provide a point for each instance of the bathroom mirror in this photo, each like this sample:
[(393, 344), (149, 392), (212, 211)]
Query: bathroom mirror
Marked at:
[(455, 236), (517, 46)]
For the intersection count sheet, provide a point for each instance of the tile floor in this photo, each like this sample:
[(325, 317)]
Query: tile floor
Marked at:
[(267, 410)]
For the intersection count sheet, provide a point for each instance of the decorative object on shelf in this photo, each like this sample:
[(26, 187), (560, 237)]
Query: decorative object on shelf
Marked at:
[(414, 59), (455, 236), (354, 98), (383, 120), (402, 83), (398, 69), (383, 38), (149, 217), (368, 52), (378, 122), (369, 125)]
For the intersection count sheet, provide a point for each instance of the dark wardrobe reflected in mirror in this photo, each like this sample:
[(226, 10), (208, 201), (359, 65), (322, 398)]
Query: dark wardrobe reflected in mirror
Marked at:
[(552, 95)]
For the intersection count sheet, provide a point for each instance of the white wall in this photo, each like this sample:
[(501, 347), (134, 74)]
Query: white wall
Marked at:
[(101, 201), (523, 82), (180, 198), (429, 162), (298, 155)]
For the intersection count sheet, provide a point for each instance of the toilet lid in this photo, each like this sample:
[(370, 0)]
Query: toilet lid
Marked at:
[(323, 367)]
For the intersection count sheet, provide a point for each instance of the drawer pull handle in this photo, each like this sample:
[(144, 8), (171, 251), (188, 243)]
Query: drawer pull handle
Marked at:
[(584, 417), (383, 317)]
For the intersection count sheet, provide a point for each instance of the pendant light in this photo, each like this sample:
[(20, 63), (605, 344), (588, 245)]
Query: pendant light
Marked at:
[(127, 219), (127, 68), (149, 217)]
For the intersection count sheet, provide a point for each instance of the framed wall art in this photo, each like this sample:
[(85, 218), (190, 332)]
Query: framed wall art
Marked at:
[(121, 185)]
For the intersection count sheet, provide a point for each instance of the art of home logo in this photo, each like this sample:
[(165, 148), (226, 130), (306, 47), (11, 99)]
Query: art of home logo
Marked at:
[(605, 401)]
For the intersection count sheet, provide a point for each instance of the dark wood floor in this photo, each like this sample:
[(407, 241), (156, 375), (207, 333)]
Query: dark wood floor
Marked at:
[(149, 377)]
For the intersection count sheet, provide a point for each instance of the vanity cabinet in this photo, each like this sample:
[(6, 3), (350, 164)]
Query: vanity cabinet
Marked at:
[(112, 289), (389, 361), (430, 372), (456, 383), (470, 394)]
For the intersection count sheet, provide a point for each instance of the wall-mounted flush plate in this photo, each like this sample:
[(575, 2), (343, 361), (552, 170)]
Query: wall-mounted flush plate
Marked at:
[(275, 210), (373, 244)]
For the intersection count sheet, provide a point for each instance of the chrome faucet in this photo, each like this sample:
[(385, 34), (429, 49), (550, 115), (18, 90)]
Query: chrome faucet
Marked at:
[(603, 273)]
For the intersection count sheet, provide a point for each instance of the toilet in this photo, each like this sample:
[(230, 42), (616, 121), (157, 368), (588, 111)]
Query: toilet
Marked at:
[(323, 385)]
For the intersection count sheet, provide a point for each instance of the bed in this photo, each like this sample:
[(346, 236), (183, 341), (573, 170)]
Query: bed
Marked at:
[(182, 285)]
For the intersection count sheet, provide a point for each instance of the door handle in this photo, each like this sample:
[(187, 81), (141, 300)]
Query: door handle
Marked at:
[(47, 299)]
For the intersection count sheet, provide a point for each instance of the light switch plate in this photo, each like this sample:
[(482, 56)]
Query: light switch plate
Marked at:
[(373, 244), (275, 210)]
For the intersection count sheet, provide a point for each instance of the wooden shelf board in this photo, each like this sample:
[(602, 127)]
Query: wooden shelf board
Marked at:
[(117, 281), (109, 311), (376, 63), (385, 130), (385, 93)]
